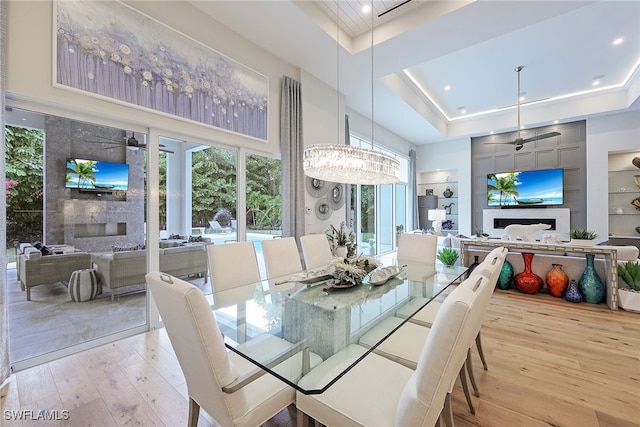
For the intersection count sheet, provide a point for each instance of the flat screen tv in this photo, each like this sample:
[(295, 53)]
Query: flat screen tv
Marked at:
[(542, 187), (97, 175)]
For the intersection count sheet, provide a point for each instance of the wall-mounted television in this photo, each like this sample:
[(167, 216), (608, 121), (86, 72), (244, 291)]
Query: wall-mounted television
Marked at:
[(96, 175), (542, 187)]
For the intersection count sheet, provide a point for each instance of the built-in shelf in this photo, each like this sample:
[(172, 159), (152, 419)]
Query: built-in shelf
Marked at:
[(624, 218)]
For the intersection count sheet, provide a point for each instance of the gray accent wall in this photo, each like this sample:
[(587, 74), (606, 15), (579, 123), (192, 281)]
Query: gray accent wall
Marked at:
[(567, 151), (91, 221)]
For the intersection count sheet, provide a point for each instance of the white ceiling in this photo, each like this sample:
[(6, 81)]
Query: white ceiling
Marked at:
[(472, 46)]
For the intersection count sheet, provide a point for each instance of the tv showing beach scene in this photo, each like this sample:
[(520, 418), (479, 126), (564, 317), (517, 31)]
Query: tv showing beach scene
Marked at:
[(541, 187), (97, 175)]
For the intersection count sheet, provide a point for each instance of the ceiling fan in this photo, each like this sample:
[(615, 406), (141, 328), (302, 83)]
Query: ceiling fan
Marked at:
[(519, 141), (131, 142)]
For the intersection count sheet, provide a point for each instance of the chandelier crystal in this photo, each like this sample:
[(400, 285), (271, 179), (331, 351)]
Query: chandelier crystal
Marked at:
[(350, 165)]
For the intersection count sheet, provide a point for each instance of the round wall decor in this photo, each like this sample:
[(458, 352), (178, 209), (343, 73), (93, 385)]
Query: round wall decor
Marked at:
[(336, 196), (322, 209), (316, 187)]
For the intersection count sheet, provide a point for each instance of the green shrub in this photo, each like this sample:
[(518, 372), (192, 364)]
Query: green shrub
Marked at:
[(630, 273), (583, 234), (448, 256)]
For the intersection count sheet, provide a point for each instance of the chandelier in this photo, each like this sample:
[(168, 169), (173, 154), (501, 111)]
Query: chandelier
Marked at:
[(348, 164)]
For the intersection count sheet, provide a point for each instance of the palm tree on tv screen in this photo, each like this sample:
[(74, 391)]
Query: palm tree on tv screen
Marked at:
[(505, 185), (85, 170)]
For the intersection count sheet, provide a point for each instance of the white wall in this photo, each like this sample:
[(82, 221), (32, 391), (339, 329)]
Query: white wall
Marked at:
[(616, 132), (449, 155), (30, 77)]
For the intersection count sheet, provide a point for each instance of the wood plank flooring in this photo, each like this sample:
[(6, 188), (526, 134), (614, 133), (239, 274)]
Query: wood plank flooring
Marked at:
[(551, 363)]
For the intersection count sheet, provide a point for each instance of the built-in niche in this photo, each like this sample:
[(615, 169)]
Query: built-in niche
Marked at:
[(567, 151)]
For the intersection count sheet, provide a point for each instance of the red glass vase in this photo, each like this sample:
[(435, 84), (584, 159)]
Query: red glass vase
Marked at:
[(527, 281), (557, 280)]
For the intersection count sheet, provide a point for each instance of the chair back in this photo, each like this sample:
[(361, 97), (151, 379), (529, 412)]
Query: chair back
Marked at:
[(315, 250), (442, 356), (418, 247), (232, 265), (197, 342), (281, 257)]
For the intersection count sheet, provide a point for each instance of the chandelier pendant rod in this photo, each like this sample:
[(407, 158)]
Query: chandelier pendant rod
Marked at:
[(373, 123)]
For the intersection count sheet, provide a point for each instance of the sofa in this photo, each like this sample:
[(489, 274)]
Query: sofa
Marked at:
[(36, 269), (126, 268)]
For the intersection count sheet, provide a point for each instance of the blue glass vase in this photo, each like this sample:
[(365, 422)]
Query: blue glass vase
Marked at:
[(573, 294), (590, 285), (506, 276)]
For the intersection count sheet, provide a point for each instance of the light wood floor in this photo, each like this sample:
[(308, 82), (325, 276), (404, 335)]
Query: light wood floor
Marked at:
[(551, 363)]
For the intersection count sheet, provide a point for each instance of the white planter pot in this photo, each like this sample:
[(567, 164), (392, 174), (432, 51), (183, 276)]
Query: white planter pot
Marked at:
[(629, 300), (582, 242)]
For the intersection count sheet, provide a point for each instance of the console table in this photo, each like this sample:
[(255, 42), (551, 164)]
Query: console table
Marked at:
[(609, 254)]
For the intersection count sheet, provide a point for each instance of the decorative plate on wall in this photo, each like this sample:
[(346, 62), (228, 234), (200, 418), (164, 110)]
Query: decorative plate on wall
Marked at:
[(316, 187), (322, 209), (336, 196)]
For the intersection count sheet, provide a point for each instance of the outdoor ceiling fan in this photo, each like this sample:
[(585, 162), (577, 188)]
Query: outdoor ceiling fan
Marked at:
[(131, 142), (519, 141)]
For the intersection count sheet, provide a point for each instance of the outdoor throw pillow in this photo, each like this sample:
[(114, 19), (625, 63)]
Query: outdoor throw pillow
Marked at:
[(45, 250), (125, 248), (194, 239)]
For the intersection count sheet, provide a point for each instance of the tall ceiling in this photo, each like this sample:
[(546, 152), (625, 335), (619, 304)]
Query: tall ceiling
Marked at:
[(443, 69)]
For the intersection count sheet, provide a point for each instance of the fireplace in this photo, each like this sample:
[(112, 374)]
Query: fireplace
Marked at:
[(495, 220)]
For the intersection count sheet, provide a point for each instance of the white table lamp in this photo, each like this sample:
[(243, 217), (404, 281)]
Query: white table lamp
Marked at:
[(437, 216)]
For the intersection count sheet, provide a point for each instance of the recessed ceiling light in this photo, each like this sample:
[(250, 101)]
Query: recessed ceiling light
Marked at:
[(555, 122), (595, 82), (492, 132), (618, 41), (366, 8), (522, 127), (462, 109), (447, 88)]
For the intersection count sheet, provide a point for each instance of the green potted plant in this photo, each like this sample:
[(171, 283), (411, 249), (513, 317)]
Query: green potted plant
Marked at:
[(448, 256), (629, 292), (481, 235), (582, 237)]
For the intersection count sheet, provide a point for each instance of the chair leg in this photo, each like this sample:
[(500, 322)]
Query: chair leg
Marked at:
[(479, 345), (194, 413), (465, 388), (447, 412), (470, 372), (303, 420)]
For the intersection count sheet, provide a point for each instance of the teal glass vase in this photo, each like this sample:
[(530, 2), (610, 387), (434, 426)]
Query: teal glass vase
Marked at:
[(590, 285), (506, 276)]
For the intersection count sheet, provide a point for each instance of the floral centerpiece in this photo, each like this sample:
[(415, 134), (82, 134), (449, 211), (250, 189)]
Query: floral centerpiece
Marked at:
[(364, 262), (348, 273), (340, 237)]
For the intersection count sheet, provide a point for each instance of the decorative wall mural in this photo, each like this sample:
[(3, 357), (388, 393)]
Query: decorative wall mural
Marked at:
[(111, 50)]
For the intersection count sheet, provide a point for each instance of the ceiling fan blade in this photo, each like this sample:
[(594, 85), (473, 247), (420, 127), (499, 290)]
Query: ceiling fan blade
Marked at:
[(514, 142), (105, 142), (539, 137), (166, 151)]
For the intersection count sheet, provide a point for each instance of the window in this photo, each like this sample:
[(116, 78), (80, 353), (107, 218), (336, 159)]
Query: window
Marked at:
[(379, 212)]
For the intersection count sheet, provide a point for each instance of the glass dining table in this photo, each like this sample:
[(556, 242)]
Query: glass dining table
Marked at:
[(287, 326)]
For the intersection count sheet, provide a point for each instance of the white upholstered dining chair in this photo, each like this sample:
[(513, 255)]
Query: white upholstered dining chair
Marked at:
[(380, 392), (224, 263), (222, 383), (281, 257), (415, 247), (315, 250)]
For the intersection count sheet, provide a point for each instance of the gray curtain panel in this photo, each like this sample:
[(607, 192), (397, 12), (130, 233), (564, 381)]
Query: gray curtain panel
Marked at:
[(4, 330), (414, 222), (292, 148)]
